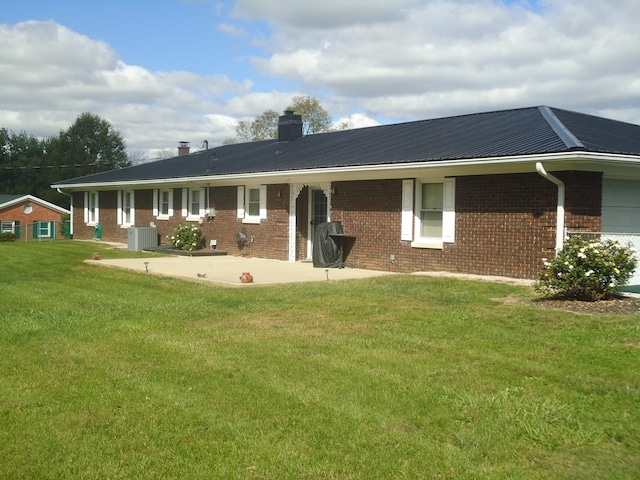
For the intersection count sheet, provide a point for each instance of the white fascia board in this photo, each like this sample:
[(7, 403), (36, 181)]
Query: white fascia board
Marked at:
[(516, 164)]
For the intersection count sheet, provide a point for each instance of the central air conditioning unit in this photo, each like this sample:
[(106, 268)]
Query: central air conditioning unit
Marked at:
[(142, 238)]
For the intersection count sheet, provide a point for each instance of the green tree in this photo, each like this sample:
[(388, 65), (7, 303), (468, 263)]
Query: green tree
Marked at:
[(22, 161), (92, 145), (315, 119), (30, 165)]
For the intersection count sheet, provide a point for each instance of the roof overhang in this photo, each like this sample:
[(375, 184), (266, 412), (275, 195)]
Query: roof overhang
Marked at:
[(612, 165)]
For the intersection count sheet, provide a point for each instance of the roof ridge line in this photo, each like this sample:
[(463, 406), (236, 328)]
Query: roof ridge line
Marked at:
[(569, 139)]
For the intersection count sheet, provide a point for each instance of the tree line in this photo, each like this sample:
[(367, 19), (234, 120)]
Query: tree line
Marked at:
[(29, 165)]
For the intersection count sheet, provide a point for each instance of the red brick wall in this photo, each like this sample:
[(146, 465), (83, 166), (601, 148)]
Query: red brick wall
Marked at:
[(505, 224), (39, 213), (271, 237)]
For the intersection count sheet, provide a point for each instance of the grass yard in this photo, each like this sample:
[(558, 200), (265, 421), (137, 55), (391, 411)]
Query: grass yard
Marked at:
[(110, 374)]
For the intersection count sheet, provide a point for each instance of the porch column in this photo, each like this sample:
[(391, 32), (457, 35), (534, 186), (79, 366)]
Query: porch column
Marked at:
[(294, 191)]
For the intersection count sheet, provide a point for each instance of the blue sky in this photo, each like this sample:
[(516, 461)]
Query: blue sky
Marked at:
[(168, 70), (161, 35)]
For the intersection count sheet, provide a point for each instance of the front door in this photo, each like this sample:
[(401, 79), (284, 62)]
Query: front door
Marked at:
[(319, 214)]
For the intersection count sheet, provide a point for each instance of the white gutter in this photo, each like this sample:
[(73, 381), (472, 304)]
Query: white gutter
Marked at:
[(560, 209)]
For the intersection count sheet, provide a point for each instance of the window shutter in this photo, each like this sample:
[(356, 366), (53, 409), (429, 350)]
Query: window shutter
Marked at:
[(52, 229), (86, 207), (133, 207), (97, 219), (16, 230), (201, 209), (406, 229), (263, 201), (155, 202), (185, 202), (119, 210), (449, 213), (36, 228), (240, 201)]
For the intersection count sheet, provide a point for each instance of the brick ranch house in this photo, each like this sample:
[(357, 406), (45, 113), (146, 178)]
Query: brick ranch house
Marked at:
[(490, 193), (30, 217)]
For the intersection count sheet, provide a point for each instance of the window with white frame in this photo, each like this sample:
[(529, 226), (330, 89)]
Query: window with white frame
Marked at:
[(126, 208), (163, 204), (433, 215), (430, 211), (91, 209), (44, 229), (7, 227), (193, 203), (166, 203), (252, 203)]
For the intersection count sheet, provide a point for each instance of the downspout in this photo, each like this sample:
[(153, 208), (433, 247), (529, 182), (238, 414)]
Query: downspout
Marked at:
[(560, 209), (70, 209)]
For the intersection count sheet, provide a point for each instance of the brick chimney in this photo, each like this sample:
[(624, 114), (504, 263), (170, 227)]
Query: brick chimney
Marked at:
[(183, 148), (289, 126)]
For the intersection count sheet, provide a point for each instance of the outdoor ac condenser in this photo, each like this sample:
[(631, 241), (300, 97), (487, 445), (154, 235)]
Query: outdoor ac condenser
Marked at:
[(141, 238)]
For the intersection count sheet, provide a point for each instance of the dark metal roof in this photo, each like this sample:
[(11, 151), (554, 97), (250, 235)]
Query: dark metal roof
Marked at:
[(9, 198), (524, 131)]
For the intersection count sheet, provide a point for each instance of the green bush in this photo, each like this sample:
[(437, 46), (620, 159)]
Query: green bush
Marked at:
[(8, 237), (186, 237), (588, 270)]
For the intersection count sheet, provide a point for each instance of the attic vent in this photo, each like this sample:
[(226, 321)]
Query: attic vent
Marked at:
[(289, 126)]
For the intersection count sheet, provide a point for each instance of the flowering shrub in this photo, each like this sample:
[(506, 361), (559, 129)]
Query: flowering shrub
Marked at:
[(186, 237), (587, 270)]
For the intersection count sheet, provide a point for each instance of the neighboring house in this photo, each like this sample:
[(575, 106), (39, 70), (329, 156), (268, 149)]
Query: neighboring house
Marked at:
[(489, 193), (30, 217)]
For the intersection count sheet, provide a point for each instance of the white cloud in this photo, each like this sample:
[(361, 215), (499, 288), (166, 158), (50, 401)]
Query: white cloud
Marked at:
[(50, 75), (446, 57), (367, 61)]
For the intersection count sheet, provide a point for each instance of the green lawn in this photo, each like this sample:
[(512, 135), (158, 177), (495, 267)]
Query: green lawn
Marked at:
[(110, 374)]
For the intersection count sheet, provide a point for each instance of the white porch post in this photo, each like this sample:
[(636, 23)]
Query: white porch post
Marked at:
[(294, 191)]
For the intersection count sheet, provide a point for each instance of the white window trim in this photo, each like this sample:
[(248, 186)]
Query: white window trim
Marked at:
[(48, 229), (243, 202), (157, 204), (200, 215), (120, 212), (87, 217), (7, 226), (448, 215)]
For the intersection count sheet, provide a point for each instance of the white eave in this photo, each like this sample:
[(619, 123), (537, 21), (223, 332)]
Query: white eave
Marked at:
[(39, 201), (611, 164)]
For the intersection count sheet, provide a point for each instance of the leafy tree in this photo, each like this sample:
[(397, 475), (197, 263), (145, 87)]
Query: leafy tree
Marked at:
[(92, 145), (315, 118), (264, 127), (29, 165)]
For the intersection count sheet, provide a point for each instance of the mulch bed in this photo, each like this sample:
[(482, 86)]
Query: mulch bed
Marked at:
[(622, 305)]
